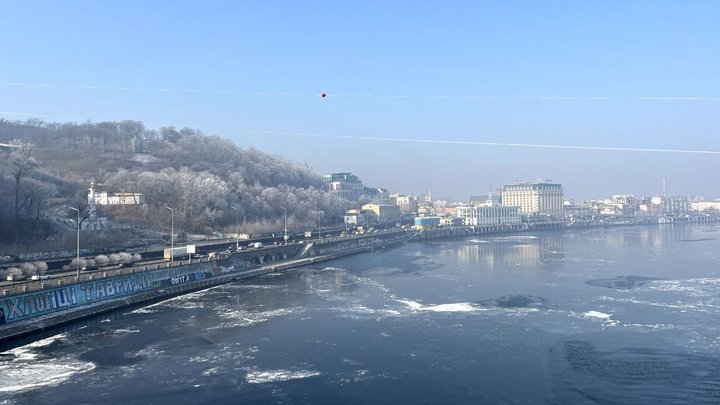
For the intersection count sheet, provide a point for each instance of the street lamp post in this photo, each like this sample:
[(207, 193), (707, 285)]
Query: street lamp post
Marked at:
[(319, 228), (285, 237), (172, 234), (77, 247), (237, 227)]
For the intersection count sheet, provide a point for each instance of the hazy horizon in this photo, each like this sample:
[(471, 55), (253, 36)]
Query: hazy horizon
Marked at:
[(617, 75)]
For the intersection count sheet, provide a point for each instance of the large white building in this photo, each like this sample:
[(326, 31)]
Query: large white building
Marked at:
[(534, 197), (702, 206), (474, 215), (104, 198)]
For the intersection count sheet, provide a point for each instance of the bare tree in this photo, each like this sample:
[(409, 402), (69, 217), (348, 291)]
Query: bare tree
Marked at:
[(21, 162)]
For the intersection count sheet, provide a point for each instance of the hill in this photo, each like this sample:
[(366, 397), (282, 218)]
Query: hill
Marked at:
[(208, 181)]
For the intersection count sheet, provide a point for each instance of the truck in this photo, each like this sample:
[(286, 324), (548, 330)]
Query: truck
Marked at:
[(178, 252), (308, 234), (257, 245)]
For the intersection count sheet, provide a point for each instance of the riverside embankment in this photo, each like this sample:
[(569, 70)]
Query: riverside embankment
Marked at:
[(43, 305)]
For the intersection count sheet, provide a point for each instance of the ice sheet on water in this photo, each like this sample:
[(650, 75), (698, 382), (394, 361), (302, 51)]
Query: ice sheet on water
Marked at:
[(254, 286), (622, 282), (243, 318), (25, 368), (605, 318), (268, 376), (693, 286), (515, 301), (452, 307), (183, 301), (628, 374)]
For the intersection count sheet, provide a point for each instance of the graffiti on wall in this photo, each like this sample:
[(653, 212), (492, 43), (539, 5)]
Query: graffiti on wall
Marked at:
[(20, 307)]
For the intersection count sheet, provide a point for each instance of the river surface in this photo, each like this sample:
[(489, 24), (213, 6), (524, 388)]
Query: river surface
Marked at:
[(626, 315)]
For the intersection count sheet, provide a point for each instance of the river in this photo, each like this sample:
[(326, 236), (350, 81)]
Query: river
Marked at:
[(605, 315)]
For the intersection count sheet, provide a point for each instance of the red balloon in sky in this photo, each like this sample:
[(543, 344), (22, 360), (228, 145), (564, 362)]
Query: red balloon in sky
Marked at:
[(323, 94)]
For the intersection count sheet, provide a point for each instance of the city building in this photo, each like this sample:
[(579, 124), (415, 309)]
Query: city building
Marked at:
[(345, 185), (425, 209), (475, 215), (705, 206), (484, 198), (104, 198), (534, 198), (382, 213), (669, 205), (408, 203), (378, 195), (355, 217), (427, 222), (451, 221)]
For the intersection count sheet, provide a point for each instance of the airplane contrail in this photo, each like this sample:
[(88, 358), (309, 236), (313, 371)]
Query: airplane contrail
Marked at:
[(24, 114), (501, 144), (340, 95), (436, 141)]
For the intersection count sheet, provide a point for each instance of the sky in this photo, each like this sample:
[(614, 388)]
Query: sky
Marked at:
[(462, 77)]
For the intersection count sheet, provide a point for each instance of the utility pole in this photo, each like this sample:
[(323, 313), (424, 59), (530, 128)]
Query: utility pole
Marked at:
[(285, 237), (237, 227), (172, 234), (77, 247)]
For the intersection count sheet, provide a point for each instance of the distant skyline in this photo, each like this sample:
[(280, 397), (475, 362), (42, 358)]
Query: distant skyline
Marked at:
[(443, 85)]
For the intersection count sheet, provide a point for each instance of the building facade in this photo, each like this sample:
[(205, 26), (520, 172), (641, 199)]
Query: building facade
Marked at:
[(345, 185), (474, 215), (408, 203), (105, 198), (702, 206), (669, 205), (534, 198), (382, 213)]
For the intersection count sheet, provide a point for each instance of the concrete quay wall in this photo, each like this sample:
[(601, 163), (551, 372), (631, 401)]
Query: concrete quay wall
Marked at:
[(34, 311)]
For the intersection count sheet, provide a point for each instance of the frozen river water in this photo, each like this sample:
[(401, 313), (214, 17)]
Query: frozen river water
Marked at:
[(609, 315)]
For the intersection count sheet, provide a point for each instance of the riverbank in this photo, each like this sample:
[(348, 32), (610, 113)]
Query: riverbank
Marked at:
[(176, 285), (489, 230)]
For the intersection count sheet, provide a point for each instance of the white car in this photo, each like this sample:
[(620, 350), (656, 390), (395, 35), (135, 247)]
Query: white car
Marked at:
[(39, 277)]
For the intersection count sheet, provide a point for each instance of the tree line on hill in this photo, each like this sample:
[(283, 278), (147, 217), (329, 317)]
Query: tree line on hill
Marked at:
[(207, 181)]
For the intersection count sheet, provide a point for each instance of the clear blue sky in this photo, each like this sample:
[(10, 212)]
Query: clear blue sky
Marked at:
[(624, 50)]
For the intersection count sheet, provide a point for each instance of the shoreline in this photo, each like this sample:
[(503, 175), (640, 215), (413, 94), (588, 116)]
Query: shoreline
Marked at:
[(18, 333)]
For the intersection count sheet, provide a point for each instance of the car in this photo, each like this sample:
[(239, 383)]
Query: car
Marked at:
[(39, 277), (198, 256)]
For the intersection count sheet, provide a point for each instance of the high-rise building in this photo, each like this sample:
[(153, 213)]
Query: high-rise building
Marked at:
[(534, 197)]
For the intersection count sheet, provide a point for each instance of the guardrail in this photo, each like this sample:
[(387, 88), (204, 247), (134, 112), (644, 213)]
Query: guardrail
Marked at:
[(39, 285)]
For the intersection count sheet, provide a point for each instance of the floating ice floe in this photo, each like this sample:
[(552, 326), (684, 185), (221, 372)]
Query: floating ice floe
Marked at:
[(26, 371), (453, 307), (260, 377), (243, 318), (605, 318)]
